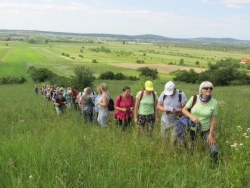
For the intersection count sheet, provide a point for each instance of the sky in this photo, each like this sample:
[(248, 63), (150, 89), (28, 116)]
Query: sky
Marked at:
[(169, 18)]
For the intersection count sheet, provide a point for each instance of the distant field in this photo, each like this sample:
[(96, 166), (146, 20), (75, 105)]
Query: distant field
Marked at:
[(121, 58), (161, 68)]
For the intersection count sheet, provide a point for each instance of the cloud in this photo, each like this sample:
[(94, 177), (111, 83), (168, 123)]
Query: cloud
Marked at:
[(234, 6), (229, 3)]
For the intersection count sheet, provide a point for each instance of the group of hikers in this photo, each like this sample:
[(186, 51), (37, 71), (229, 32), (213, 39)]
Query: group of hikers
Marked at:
[(198, 114)]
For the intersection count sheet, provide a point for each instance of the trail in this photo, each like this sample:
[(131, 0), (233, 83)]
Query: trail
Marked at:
[(4, 57)]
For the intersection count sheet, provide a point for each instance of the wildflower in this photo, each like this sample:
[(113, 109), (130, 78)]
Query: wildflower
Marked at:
[(234, 145), (30, 176), (227, 141), (244, 134), (241, 144)]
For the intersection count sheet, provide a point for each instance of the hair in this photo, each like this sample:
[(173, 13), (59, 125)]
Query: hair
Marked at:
[(104, 87), (125, 88), (205, 84), (60, 93), (86, 93), (98, 88)]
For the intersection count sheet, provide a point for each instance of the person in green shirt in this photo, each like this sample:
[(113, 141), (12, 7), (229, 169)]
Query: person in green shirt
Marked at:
[(203, 114), (146, 108)]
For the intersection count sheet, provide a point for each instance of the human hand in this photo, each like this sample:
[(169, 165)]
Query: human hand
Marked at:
[(136, 120), (195, 120), (210, 140)]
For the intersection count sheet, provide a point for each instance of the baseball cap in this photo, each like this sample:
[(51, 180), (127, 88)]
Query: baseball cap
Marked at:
[(149, 86), (169, 88)]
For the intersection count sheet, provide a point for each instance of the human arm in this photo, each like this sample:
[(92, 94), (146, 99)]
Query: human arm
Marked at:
[(210, 139), (136, 110), (104, 100)]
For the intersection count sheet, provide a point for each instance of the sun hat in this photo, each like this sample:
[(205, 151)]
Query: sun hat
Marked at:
[(149, 86), (69, 92), (169, 88)]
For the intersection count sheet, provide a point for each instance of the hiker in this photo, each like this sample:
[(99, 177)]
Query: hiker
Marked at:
[(87, 105), (68, 96), (60, 103), (78, 99), (74, 96), (170, 102), (146, 108), (203, 114), (103, 105), (36, 90), (124, 106), (97, 98)]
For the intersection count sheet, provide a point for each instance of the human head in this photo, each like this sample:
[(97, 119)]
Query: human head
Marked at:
[(149, 86), (98, 89), (126, 91), (87, 90), (69, 92), (104, 87), (60, 95), (169, 88), (205, 84)]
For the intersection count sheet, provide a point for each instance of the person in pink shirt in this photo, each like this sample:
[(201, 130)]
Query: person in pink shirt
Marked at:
[(124, 106)]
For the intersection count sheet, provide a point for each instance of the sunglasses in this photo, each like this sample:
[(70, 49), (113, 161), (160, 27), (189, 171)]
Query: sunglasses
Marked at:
[(206, 88)]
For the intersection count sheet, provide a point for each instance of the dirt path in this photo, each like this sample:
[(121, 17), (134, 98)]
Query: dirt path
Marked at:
[(4, 57), (160, 67)]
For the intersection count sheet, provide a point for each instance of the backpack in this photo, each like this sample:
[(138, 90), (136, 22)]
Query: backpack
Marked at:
[(111, 106), (180, 96)]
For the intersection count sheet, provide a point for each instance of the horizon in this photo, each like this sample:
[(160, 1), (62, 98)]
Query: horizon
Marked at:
[(176, 20)]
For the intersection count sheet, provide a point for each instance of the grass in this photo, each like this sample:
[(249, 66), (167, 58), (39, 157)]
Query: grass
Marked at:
[(40, 149)]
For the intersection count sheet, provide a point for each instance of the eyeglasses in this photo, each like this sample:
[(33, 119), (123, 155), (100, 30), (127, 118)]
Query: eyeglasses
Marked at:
[(206, 88)]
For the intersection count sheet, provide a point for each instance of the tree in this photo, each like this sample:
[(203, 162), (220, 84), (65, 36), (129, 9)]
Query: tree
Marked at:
[(197, 63), (181, 62), (82, 78), (148, 72)]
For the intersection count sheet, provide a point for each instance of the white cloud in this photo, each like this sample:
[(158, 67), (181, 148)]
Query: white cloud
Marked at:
[(234, 6)]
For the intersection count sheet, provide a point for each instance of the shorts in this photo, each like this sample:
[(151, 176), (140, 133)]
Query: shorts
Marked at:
[(168, 131), (143, 119)]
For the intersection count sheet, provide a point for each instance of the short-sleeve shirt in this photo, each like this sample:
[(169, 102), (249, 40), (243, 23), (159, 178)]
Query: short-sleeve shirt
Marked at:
[(61, 101), (146, 106), (203, 112), (171, 102), (121, 102)]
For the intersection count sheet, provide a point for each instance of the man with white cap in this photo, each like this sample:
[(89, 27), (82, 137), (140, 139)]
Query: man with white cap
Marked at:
[(170, 102)]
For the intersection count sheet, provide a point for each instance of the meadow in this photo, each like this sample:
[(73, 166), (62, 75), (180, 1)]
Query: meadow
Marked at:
[(41, 149)]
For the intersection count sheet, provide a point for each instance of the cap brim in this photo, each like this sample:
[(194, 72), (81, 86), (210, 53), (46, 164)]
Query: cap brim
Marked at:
[(168, 92), (149, 88)]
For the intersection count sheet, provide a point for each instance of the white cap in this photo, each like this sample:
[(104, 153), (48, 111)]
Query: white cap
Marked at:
[(169, 88)]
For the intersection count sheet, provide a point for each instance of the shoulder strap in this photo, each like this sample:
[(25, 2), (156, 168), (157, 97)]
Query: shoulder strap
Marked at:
[(142, 93), (180, 96), (153, 93), (194, 101), (120, 98)]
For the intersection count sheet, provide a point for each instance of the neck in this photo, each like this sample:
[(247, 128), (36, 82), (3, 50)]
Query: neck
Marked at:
[(204, 96)]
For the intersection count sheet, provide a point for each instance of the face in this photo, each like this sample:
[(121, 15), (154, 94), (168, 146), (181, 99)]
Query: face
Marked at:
[(126, 92), (60, 96), (206, 90)]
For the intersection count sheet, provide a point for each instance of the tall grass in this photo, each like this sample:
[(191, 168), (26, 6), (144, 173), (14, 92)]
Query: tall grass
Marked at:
[(40, 149)]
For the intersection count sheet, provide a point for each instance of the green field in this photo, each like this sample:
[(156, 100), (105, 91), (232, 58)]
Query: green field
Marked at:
[(22, 55), (40, 149)]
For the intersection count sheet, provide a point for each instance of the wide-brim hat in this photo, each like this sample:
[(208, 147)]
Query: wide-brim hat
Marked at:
[(149, 86), (169, 88)]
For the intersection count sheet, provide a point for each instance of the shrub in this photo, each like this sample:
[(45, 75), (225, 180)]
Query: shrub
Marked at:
[(109, 75), (119, 76), (94, 61), (41, 74), (83, 77), (148, 72)]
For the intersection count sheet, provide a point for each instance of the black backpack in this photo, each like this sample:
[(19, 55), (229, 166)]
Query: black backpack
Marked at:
[(111, 106)]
